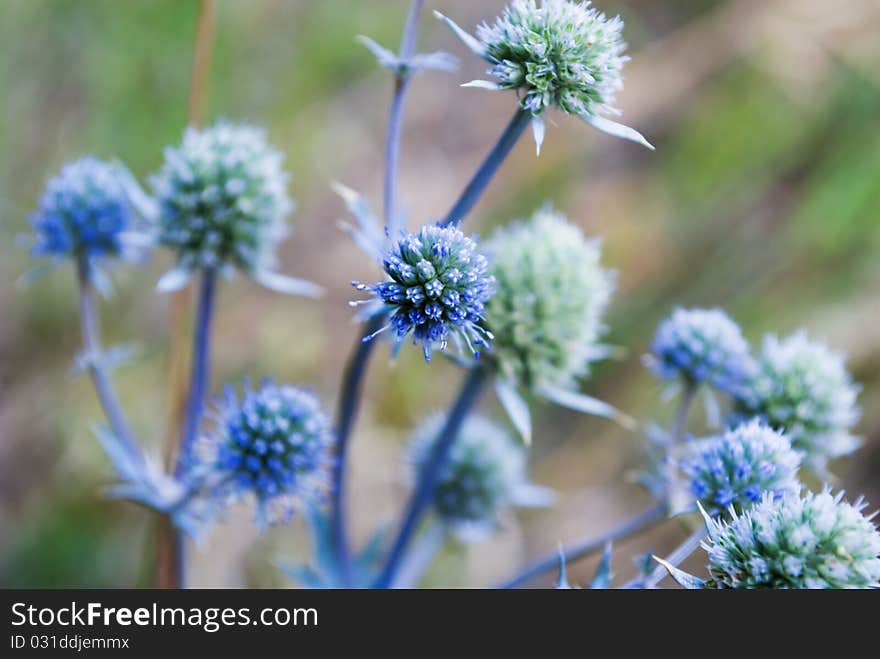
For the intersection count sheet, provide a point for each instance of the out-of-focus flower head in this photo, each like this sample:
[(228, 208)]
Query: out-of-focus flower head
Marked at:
[(274, 443), (484, 475), (701, 346), (223, 204), (438, 289), (90, 211), (551, 295), (803, 388), (739, 467)]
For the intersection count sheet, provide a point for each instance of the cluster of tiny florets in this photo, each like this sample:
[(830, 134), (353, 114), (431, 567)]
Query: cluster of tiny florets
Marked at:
[(484, 473), (740, 466), (551, 294), (275, 443), (807, 541), (84, 212), (701, 345), (439, 287), (803, 388), (223, 199), (559, 53)]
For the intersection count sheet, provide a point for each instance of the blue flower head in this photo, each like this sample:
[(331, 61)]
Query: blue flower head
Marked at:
[(86, 213), (739, 467), (484, 475), (701, 346), (802, 387), (798, 541), (438, 289), (274, 443), (223, 203)]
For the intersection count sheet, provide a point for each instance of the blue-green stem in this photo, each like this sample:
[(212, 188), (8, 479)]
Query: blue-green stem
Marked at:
[(392, 152), (200, 373), (474, 190), (678, 555), (679, 422), (199, 381), (430, 473), (420, 555), (395, 118), (550, 562), (356, 368), (91, 336), (346, 412), (640, 522)]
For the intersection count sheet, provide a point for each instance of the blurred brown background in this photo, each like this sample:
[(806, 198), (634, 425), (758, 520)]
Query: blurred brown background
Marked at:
[(763, 197)]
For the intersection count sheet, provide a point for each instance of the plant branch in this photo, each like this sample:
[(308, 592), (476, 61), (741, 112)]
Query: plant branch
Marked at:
[(422, 552), (395, 116), (91, 336), (679, 423), (637, 524), (357, 365), (355, 371), (346, 413), (488, 168), (200, 374), (430, 473)]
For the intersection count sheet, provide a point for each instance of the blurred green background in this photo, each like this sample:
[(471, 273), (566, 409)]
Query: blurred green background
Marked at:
[(763, 197)]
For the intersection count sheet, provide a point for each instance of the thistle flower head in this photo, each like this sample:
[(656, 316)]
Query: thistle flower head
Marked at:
[(551, 294), (223, 199), (739, 467), (438, 289), (807, 541), (558, 53), (484, 475), (701, 345), (274, 443), (803, 388), (86, 213)]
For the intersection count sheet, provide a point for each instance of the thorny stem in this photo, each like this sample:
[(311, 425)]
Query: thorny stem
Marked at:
[(642, 521), (637, 524), (91, 336), (678, 555), (430, 473)]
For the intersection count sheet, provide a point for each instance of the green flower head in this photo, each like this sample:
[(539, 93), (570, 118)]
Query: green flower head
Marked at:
[(223, 204), (558, 53), (551, 293), (803, 388), (807, 541)]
